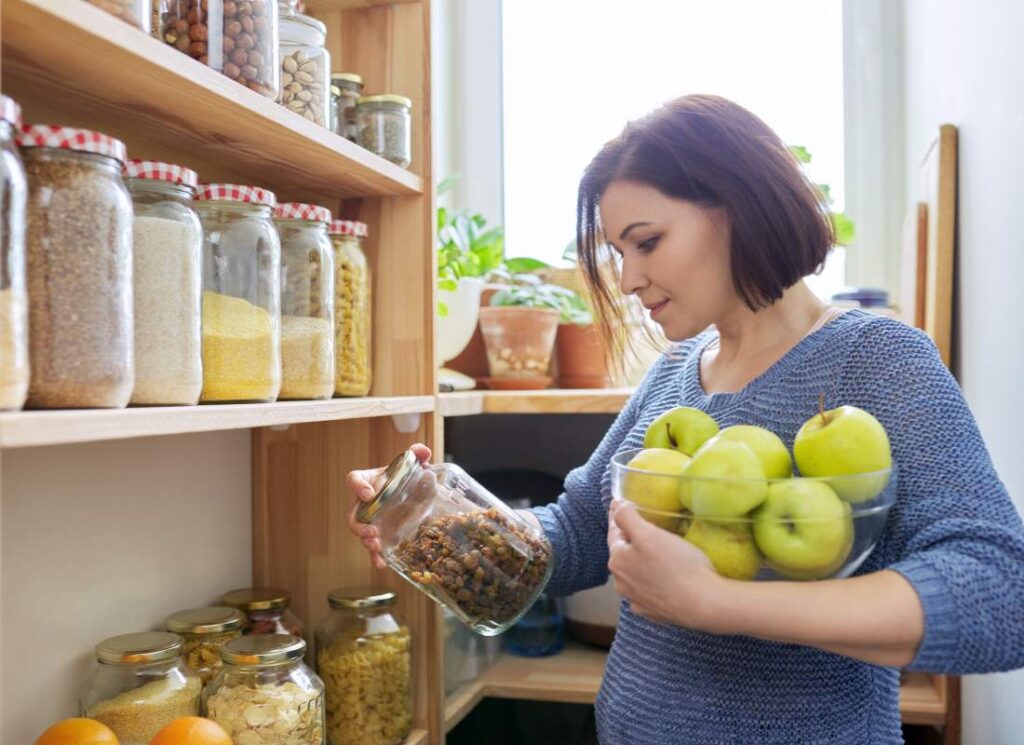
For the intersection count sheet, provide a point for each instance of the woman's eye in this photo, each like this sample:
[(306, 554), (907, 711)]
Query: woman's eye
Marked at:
[(648, 245)]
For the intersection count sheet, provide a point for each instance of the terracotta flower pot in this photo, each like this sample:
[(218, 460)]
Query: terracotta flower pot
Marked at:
[(582, 362), (519, 344), (472, 361)]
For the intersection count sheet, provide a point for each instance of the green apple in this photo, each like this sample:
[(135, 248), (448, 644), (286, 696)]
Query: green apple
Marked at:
[(729, 546), (723, 479), (845, 442), (804, 529), (655, 492), (767, 446), (683, 428)]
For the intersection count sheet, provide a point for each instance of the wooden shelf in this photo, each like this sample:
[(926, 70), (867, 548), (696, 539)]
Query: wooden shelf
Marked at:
[(552, 401), (417, 737), (923, 699), (30, 428), (320, 6), (106, 74)]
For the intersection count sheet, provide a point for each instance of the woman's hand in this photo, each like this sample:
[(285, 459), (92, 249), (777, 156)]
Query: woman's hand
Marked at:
[(364, 485)]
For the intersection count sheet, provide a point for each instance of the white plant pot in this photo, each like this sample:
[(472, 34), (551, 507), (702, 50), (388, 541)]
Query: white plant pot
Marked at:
[(456, 329)]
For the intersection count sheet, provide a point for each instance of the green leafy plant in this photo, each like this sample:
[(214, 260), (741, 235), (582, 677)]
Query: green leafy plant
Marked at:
[(842, 225), (528, 291)]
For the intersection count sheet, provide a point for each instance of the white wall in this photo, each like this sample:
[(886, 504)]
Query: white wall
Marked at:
[(965, 66)]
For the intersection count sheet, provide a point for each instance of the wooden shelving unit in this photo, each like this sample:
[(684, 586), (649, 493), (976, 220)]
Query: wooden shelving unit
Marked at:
[(553, 401)]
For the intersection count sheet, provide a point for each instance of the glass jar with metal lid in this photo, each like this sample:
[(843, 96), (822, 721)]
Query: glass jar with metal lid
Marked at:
[(266, 610), (461, 545), (346, 90), (139, 685), (205, 631), (385, 127), (363, 655), (266, 694), (353, 324), (136, 12), (14, 373), (305, 68)]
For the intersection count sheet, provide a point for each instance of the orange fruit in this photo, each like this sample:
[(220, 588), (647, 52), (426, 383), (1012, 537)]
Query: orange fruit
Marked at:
[(191, 731), (78, 732)]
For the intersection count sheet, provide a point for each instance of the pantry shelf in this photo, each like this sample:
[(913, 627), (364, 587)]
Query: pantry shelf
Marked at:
[(33, 428), (102, 73), (327, 5), (553, 401)]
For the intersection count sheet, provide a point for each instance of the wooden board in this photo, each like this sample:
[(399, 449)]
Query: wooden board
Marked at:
[(939, 189), (551, 401), (914, 266)]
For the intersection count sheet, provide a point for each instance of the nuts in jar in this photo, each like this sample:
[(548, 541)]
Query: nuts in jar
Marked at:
[(305, 68), (135, 12), (266, 610), (205, 631)]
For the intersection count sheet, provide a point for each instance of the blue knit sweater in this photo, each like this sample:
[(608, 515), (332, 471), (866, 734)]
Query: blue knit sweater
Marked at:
[(953, 533)]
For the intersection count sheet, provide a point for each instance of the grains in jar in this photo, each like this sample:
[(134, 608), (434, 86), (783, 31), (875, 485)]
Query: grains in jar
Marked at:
[(14, 373)]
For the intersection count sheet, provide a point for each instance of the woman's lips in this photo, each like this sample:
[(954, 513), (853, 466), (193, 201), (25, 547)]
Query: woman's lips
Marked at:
[(656, 309)]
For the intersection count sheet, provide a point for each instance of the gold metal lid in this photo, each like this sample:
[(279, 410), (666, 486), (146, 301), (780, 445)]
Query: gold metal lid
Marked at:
[(258, 598), (348, 77), (360, 597), (305, 20), (139, 649), (217, 619), (386, 98), (400, 469), (258, 650)]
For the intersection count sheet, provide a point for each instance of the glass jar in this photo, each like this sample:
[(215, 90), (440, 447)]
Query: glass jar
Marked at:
[(205, 631), (14, 374), (241, 294), (307, 301), (364, 658), (305, 68), (461, 545), (139, 685), (385, 127), (238, 38), (135, 12), (79, 243), (266, 693), (167, 268), (353, 324), (266, 610), (346, 90)]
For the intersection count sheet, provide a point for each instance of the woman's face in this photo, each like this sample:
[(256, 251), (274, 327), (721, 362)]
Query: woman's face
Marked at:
[(675, 256)]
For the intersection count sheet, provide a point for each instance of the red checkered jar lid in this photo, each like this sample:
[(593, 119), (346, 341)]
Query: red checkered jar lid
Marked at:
[(349, 227), (236, 193), (10, 111), (157, 171), (300, 211), (70, 138)]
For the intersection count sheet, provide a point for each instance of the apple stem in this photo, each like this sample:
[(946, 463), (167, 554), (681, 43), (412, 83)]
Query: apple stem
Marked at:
[(671, 439), (821, 408)]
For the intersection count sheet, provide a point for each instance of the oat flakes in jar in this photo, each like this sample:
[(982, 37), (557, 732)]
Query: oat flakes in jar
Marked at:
[(14, 374), (265, 694), (79, 259), (305, 68), (205, 631), (136, 12), (353, 323)]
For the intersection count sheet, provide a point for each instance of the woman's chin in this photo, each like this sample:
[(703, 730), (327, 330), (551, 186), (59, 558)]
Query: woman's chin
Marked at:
[(680, 330)]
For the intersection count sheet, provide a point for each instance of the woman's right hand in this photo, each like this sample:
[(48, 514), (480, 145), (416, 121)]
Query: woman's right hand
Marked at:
[(364, 485)]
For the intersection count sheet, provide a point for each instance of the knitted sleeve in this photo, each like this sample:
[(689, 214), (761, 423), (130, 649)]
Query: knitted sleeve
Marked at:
[(956, 534)]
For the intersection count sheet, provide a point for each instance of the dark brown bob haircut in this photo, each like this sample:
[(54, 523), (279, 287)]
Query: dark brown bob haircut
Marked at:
[(713, 152)]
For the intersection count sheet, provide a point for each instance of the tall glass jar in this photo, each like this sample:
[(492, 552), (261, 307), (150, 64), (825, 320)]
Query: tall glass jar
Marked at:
[(140, 684), (14, 374), (460, 544), (364, 658), (349, 87), (79, 242), (236, 37), (135, 12), (305, 68), (353, 324), (385, 127), (167, 264), (205, 631), (266, 693), (266, 610), (241, 294), (307, 301)]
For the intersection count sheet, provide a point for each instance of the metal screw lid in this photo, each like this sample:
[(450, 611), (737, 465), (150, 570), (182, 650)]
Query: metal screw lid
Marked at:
[(258, 598), (263, 649), (397, 472), (386, 98), (214, 620), (360, 597), (139, 649)]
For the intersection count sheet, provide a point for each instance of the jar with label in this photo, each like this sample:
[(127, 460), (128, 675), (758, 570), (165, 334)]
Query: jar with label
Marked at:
[(353, 326), (385, 127), (205, 631), (305, 68), (79, 260), (241, 294), (363, 655), (135, 12), (238, 38), (266, 693), (346, 90), (167, 268), (266, 610), (139, 685), (457, 542), (14, 375)]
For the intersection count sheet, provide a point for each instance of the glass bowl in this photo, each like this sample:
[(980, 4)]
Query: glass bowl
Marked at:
[(766, 529)]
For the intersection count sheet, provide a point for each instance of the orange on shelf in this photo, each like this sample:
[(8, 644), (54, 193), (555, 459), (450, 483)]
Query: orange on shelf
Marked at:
[(191, 731), (78, 732)]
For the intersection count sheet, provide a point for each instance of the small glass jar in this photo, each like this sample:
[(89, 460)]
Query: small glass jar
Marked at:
[(136, 12), (167, 268), (305, 68), (241, 294), (364, 658), (140, 684), (205, 631), (266, 694), (457, 542), (353, 324), (266, 610), (14, 373), (346, 90), (307, 301), (79, 243), (238, 38), (385, 127)]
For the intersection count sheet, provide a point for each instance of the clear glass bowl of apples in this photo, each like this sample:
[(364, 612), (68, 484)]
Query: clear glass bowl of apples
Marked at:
[(755, 510)]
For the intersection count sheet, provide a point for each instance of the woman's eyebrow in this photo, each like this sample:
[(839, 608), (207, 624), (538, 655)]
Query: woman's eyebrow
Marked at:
[(624, 233)]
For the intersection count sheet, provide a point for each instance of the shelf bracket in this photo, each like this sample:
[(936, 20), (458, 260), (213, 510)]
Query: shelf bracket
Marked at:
[(405, 423)]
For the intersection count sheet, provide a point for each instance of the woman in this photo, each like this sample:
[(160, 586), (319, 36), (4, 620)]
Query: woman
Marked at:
[(716, 226)]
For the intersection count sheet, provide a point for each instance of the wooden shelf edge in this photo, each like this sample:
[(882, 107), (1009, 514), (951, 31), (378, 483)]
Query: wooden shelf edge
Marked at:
[(323, 6), (922, 699), (460, 703), (550, 401), (417, 737)]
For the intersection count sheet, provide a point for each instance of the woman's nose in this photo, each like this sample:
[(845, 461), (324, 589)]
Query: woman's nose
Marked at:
[(632, 279)]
